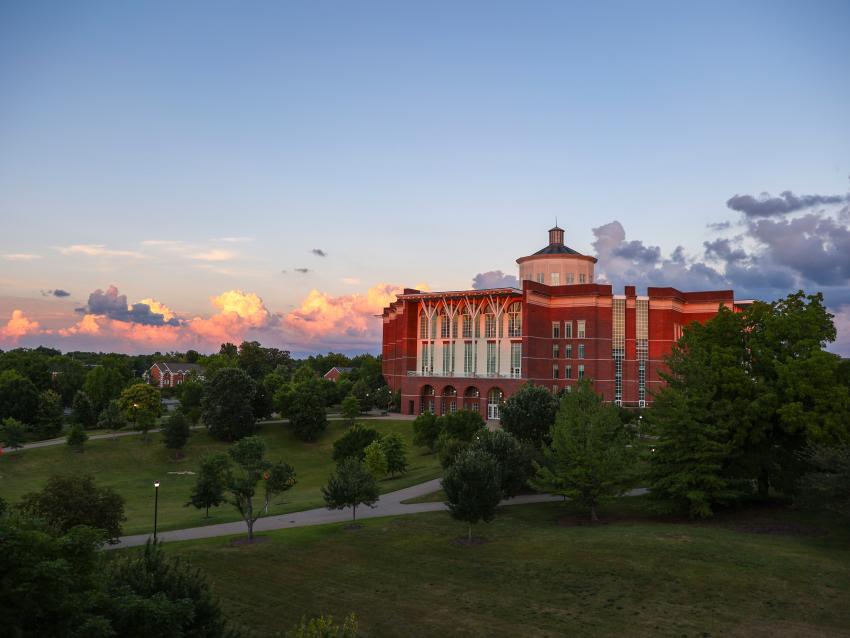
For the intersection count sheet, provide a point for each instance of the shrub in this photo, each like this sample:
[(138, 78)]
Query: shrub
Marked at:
[(396, 452), (354, 442), (426, 430)]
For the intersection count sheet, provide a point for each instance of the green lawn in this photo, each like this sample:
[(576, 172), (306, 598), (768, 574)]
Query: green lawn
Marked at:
[(536, 577), (130, 466)]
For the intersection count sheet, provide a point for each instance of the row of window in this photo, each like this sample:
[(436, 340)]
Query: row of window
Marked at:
[(555, 278), (581, 331), (568, 371), (568, 351), (447, 327), (470, 358)]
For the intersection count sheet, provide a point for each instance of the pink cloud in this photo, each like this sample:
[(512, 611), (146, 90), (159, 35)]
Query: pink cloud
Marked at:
[(18, 326)]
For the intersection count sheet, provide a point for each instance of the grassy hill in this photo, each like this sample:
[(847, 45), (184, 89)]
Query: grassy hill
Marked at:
[(755, 574), (130, 466)]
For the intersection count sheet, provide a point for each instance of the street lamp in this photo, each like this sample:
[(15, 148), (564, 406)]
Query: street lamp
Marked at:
[(155, 507)]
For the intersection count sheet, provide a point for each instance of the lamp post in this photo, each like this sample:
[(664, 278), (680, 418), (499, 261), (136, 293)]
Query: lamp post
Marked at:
[(155, 507)]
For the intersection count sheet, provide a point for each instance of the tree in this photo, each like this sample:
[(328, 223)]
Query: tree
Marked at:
[(283, 399), (103, 384), (448, 448), (426, 431), (350, 408), (307, 413), (76, 437), (827, 485), (18, 397), (226, 407), (67, 377), (13, 433), (324, 627), (247, 469), (513, 459), (111, 417), (473, 488), (529, 413), (175, 433), (351, 485), (462, 425), (588, 460), (82, 410), (153, 594), (68, 500), (361, 390), (191, 393), (375, 459), (384, 398), (396, 452), (211, 483), (48, 421), (141, 405), (354, 443)]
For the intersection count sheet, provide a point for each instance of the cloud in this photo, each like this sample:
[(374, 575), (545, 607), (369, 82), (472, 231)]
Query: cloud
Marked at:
[(234, 240), (340, 321), (215, 254), (787, 202), (350, 280), (58, 292), (493, 279), (98, 250), (239, 314), (113, 305), (21, 257), (303, 271), (18, 326), (718, 226), (319, 252), (722, 249)]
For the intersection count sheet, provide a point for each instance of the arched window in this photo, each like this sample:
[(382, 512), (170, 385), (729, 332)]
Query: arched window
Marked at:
[(426, 399), (472, 399), (515, 319), (449, 403)]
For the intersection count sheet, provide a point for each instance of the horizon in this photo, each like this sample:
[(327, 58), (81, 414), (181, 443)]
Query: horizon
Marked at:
[(175, 177)]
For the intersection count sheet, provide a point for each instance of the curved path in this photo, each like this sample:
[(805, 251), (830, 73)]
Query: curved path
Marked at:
[(390, 504)]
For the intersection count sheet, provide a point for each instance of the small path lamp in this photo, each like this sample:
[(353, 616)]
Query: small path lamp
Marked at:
[(155, 507)]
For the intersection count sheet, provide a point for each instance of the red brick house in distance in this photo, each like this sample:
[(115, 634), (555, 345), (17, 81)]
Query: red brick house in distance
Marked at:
[(335, 373), (471, 349), (170, 375)]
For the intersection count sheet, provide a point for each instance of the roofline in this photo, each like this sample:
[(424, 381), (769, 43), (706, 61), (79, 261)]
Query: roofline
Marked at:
[(558, 256), (459, 293)]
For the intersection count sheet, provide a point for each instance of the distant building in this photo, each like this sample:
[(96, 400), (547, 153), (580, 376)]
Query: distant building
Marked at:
[(169, 374), (471, 349), (336, 372)]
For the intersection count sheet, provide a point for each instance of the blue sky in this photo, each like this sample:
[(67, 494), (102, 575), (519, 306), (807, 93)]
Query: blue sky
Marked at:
[(410, 143)]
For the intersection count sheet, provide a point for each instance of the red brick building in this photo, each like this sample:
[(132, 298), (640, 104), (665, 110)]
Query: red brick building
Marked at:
[(170, 375), (335, 373), (471, 349)]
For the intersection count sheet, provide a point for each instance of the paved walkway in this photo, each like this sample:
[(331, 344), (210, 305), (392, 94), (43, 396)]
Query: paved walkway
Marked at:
[(119, 433), (389, 505)]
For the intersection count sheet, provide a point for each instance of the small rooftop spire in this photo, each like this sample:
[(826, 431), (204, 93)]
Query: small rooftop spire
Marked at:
[(556, 235)]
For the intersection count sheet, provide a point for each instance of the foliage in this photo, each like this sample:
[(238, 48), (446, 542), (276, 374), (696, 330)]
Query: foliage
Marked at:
[(529, 414), (448, 448), (82, 410), (247, 469), (13, 433), (175, 432), (140, 401), (827, 485), (354, 442), (383, 398), (307, 413), (375, 460), (18, 397), (513, 459), (111, 417), (473, 488), (211, 483), (361, 391), (153, 594), (395, 451), (350, 407), (76, 437), (324, 627), (48, 420), (426, 431), (226, 406), (588, 460), (69, 500), (462, 425), (191, 393), (102, 384), (67, 377), (351, 485)]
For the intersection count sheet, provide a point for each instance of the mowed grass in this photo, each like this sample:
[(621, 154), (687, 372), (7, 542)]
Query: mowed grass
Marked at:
[(536, 577), (130, 466)]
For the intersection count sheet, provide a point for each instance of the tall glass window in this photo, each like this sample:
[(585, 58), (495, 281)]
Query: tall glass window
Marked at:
[(580, 332), (568, 330), (515, 319), (581, 371), (556, 329), (516, 359), (582, 278), (489, 326), (445, 330), (568, 372), (468, 365), (467, 325), (571, 278), (568, 351), (556, 279), (491, 358), (541, 278), (555, 371), (448, 358), (618, 346), (642, 343), (423, 326), (556, 350), (581, 351), (425, 358)]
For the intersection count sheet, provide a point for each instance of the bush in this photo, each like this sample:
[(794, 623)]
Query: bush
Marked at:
[(426, 430), (463, 425), (354, 442), (70, 500), (76, 437), (514, 459), (396, 452), (13, 433), (448, 449), (324, 627), (375, 459)]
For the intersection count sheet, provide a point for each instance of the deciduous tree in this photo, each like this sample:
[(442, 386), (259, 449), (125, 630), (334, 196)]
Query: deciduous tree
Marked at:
[(354, 443), (375, 460), (529, 414), (211, 483), (48, 422), (350, 408), (82, 410), (175, 432), (307, 413), (13, 433), (18, 397), (226, 407), (351, 485), (396, 452), (76, 437), (473, 488)]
